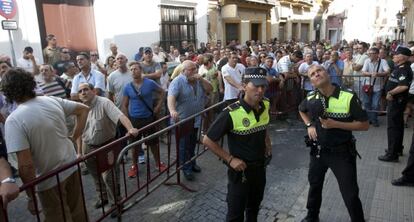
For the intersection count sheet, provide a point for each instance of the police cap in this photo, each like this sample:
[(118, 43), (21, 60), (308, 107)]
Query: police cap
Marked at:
[(256, 75), (403, 51)]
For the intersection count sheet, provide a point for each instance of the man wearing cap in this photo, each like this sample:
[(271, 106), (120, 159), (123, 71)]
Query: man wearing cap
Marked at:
[(397, 93), (330, 114), (245, 123), (150, 68)]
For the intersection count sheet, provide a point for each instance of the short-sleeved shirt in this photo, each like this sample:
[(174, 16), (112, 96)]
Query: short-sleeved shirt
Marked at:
[(236, 73), (96, 78), (313, 106), (26, 64), (116, 84), (375, 66), (39, 125), (335, 77), (189, 98), (359, 59), (102, 119), (401, 76), (249, 148), (151, 68), (53, 88), (137, 108), (211, 76), (284, 64)]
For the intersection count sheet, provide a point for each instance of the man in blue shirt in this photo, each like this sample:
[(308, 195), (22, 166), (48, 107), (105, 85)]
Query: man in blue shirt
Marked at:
[(186, 97), (335, 67), (138, 105)]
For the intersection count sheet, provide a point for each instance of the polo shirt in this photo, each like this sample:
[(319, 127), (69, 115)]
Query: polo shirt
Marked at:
[(101, 123), (313, 106), (189, 98), (251, 147)]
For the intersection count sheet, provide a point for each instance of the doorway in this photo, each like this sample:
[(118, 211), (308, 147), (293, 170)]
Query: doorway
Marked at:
[(255, 31)]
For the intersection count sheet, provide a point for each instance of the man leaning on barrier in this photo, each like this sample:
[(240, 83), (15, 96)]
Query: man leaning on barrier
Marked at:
[(36, 131), (100, 129), (245, 123), (331, 113)]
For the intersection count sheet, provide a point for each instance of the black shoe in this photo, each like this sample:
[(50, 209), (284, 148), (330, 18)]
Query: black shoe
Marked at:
[(189, 176), (196, 169), (100, 203), (375, 124), (388, 158), (310, 219), (402, 182)]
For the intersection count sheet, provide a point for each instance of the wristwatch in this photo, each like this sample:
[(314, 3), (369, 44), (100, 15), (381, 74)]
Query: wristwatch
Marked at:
[(309, 124), (8, 180)]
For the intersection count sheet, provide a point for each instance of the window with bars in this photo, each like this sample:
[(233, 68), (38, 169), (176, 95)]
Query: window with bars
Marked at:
[(177, 25)]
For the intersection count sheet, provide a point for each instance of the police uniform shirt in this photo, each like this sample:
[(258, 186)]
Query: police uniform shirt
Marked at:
[(250, 148), (313, 105), (401, 76)]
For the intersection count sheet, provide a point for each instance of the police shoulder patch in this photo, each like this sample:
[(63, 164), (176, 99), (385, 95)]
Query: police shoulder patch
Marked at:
[(233, 106)]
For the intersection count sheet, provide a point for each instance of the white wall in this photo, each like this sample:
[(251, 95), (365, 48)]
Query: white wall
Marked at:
[(361, 17), (128, 23), (202, 20), (132, 24), (27, 34)]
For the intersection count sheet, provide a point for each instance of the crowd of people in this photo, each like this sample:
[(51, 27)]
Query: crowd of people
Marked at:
[(93, 102)]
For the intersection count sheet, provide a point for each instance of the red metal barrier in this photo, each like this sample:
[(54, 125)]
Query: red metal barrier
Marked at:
[(110, 157)]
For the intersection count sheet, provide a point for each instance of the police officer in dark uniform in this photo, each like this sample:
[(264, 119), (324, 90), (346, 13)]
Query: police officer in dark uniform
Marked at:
[(397, 94), (330, 114), (245, 123)]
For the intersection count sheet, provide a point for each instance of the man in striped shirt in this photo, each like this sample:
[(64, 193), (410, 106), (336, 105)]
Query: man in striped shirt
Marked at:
[(52, 85)]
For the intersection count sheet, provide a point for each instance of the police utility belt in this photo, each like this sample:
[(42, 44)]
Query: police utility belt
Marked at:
[(317, 149)]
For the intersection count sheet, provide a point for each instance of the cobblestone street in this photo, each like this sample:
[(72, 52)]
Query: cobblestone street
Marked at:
[(286, 189)]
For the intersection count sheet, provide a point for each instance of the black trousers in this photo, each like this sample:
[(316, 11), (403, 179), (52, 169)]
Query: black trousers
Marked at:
[(408, 172), (395, 125), (245, 196), (343, 166)]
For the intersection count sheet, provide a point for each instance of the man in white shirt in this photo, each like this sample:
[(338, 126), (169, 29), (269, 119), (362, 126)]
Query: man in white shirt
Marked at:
[(358, 63), (375, 70), (28, 62), (232, 74), (87, 74)]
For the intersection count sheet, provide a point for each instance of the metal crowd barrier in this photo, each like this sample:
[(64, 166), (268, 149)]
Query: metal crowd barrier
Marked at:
[(112, 156), (287, 99)]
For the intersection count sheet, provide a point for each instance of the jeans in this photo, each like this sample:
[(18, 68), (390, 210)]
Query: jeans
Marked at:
[(186, 150), (371, 103)]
